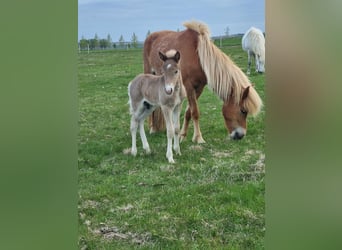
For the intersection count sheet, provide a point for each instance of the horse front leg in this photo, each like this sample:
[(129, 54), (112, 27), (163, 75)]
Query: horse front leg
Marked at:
[(257, 65), (169, 131), (176, 116), (186, 121), (249, 62), (197, 137)]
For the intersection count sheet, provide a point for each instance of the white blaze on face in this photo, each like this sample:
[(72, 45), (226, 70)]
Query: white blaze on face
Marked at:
[(170, 53), (168, 89), (169, 86)]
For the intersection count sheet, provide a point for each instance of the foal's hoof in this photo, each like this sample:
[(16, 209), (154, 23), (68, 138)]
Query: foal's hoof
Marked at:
[(177, 151), (148, 151), (133, 152), (171, 160)]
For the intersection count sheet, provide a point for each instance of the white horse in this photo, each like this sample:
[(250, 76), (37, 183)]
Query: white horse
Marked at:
[(253, 41)]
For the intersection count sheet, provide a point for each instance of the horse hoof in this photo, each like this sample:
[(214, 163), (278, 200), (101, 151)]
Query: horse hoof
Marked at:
[(148, 151), (198, 140), (178, 152), (171, 161), (134, 152), (182, 137)]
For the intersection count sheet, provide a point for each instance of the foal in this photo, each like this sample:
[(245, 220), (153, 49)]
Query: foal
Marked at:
[(147, 92)]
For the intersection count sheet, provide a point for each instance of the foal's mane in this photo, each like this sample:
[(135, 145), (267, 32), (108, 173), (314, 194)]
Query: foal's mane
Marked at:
[(224, 78)]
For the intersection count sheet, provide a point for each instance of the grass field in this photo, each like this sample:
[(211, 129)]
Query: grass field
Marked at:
[(212, 198)]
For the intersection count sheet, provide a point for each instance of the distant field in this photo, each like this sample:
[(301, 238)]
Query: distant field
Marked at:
[(212, 198)]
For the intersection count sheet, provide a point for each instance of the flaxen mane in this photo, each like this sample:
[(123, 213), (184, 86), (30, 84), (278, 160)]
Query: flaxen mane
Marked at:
[(224, 78)]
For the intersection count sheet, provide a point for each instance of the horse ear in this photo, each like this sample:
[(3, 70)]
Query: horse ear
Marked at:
[(162, 56), (245, 93), (177, 56)]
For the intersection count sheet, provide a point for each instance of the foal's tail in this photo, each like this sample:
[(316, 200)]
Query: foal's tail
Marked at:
[(156, 121)]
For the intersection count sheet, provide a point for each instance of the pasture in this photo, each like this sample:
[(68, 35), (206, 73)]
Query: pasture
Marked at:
[(212, 197)]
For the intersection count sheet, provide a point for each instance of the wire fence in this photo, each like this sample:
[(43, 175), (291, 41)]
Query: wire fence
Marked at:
[(112, 46), (220, 41)]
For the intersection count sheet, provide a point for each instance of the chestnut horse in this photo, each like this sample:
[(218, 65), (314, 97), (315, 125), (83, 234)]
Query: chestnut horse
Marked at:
[(203, 63)]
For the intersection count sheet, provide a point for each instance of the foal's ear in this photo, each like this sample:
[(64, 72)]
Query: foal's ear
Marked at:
[(162, 56), (177, 56), (245, 93)]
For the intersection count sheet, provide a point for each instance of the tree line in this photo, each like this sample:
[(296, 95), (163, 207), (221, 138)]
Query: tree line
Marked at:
[(107, 43)]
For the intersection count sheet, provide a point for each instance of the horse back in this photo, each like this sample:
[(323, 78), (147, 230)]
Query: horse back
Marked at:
[(145, 86)]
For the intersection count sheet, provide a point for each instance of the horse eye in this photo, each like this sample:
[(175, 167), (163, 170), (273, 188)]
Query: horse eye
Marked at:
[(244, 112), (176, 71)]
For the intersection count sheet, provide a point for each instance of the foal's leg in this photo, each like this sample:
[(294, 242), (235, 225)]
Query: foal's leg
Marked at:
[(176, 116), (169, 131), (143, 137), (147, 109), (134, 127)]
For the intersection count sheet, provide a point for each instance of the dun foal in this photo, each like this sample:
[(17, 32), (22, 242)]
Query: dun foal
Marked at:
[(147, 92)]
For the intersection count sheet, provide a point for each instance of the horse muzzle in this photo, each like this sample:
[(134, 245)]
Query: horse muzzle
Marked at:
[(168, 89), (238, 133)]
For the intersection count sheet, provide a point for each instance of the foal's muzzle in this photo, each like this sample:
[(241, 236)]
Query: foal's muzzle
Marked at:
[(168, 89)]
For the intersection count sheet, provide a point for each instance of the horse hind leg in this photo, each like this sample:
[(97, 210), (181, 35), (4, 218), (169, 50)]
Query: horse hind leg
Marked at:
[(134, 127), (147, 109), (144, 141), (156, 121), (138, 117)]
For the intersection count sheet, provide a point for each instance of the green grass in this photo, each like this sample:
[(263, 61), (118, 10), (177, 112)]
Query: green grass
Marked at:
[(232, 41), (213, 197)]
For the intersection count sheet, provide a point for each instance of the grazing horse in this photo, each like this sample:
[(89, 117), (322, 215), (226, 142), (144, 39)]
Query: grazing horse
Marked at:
[(147, 92), (203, 63), (253, 41)]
